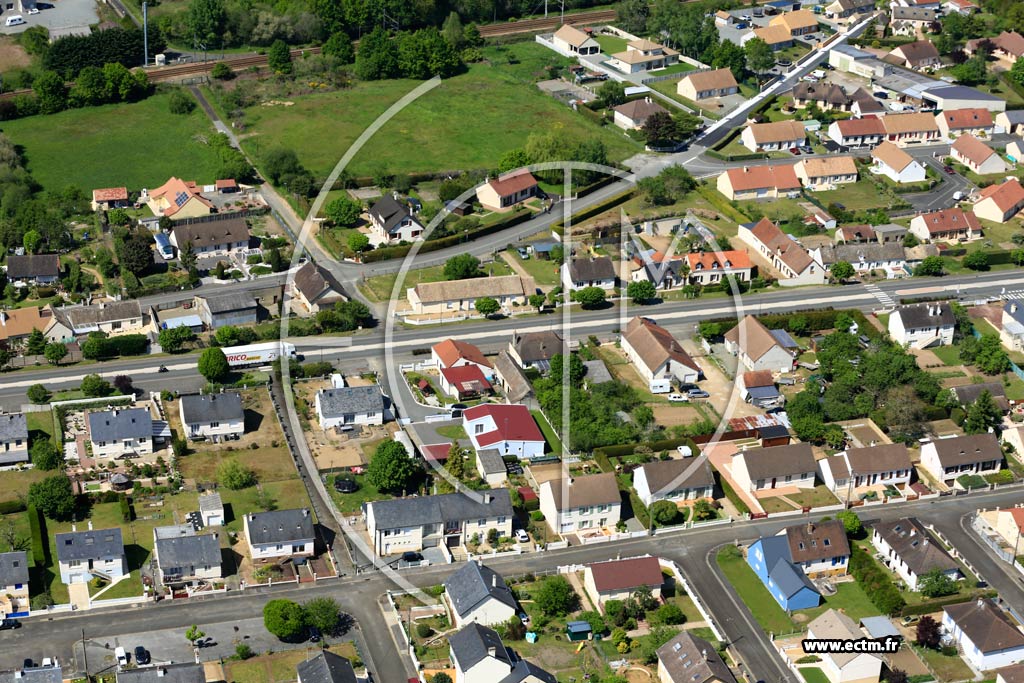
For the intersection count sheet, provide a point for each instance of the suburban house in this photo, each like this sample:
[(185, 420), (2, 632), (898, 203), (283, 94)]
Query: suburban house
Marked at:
[(120, 432), (592, 271), (882, 465), (507, 190), (479, 656), (326, 667), (857, 132), (897, 165), (656, 354), (794, 264), (111, 317), (923, 325), (956, 122), (856, 234), (571, 39), (776, 37), (946, 225), (911, 21), (13, 439), (1000, 203), (847, 9), (511, 378), (976, 155), (107, 198), (825, 96), (774, 136), (17, 324), (825, 173), (619, 579), (536, 349), (643, 55), (1011, 674), (83, 555), (177, 199), (581, 503), (213, 238), (947, 459), (211, 509), (1008, 45), (509, 429), (392, 221), (844, 667), (690, 659), (967, 394), (33, 269), (757, 348), (633, 115), (1009, 524), (890, 232), (680, 480), (907, 129), (231, 308), (464, 382), (459, 296), (786, 563), (964, 7), (984, 633), (890, 258), (452, 353), (215, 417), (279, 534), (763, 181), (919, 54), (315, 289), (1011, 122), (14, 594), (412, 524), (798, 23), (705, 85), (761, 469), (658, 268), (864, 104), (477, 594), (345, 406), (185, 556), (911, 551), (759, 389), (1011, 332), (162, 673), (712, 267)]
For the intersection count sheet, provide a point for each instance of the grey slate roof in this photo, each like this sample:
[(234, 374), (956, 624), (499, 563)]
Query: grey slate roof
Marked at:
[(870, 251), (351, 401), (121, 423), (212, 233), (39, 674), (93, 544), (533, 347), (490, 459), (966, 450), (13, 427), (778, 461), (588, 269), (314, 281), (13, 568), (226, 407), (523, 669), (986, 625), (33, 266), (84, 317), (210, 502), (474, 643), (969, 393), (188, 552), (689, 659), (280, 526), (915, 546), (661, 473), (474, 584), (409, 512), (389, 212), (787, 576), (167, 673), (226, 303), (596, 372), (924, 315), (326, 667)]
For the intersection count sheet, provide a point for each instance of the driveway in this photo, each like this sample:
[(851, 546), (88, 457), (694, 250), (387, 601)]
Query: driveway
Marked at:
[(55, 17), (941, 197)]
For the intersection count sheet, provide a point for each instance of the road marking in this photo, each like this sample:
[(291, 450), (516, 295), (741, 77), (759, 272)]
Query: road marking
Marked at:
[(877, 292)]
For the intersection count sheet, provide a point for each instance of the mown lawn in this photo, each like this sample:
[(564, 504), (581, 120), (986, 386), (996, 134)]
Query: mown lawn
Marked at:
[(352, 503), (467, 122), (379, 287), (753, 593), (543, 271), (137, 145), (14, 484)]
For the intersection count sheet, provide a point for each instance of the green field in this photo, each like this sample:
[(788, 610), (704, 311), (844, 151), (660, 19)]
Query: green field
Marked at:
[(137, 145), (467, 122), (379, 287)]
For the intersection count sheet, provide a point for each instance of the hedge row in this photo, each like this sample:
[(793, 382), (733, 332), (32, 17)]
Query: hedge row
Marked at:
[(10, 507), (126, 508), (733, 497), (930, 606), (598, 208), (753, 156), (38, 539), (629, 449), (876, 583)]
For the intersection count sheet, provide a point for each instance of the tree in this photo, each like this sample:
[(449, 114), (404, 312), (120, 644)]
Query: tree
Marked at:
[(55, 352), (442, 677), (896, 676), (207, 21), (173, 339), (985, 353), (641, 291), (31, 241), (555, 597), (760, 58), (136, 254), (462, 267), (703, 510), (193, 634), (936, 584), (51, 93), (664, 512), (633, 15), (343, 211), (976, 260), (285, 619), (576, 368), (279, 57), (280, 162), (233, 475), (486, 306), (851, 522), (323, 614), (930, 265), (123, 384), (222, 72), (213, 364), (181, 103), (661, 129), (95, 386), (612, 93), (668, 613), (729, 55), (358, 242), (590, 297), (376, 58), (391, 469), (453, 31), (928, 632), (842, 271), (511, 160), (537, 300), (46, 456), (35, 345), (456, 462), (983, 414), (53, 497), (972, 71), (37, 393)]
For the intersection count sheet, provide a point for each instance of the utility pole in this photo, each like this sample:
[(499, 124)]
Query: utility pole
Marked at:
[(145, 36), (85, 655)]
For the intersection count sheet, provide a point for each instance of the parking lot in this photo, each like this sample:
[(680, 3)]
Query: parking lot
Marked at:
[(68, 16)]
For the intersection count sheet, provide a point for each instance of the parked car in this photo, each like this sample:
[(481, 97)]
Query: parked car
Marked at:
[(795, 151), (142, 655), (911, 619), (949, 169), (522, 536), (457, 409), (523, 253), (698, 393), (524, 617), (677, 398), (807, 149), (121, 655), (6, 624), (411, 556), (746, 17), (881, 94), (314, 634)]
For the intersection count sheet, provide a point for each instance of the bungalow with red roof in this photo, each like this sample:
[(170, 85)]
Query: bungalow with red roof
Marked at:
[(619, 579), (954, 122), (794, 264), (976, 155), (509, 429), (507, 190), (947, 225), (766, 181), (177, 199), (110, 198), (710, 267), (897, 165), (1000, 203), (452, 353), (1008, 45), (226, 186), (857, 132), (633, 115), (464, 382), (773, 136)]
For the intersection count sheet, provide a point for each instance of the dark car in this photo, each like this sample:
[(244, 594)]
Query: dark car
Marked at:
[(410, 556), (882, 95), (142, 655), (345, 485), (314, 634), (949, 169), (457, 409), (9, 623), (795, 151)]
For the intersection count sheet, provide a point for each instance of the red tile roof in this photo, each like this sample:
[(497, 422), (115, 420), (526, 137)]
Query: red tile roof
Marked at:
[(437, 452), (961, 119), (710, 260), (860, 127), (226, 184), (110, 194), (512, 423), (758, 378), (451, 350), (466, 378), (779, 176), (526, 493), (791, 253), (1006, 195), (618, 575), (512, 183), (950, 220)]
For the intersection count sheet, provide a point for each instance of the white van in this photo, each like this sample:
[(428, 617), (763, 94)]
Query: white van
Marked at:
[(15, 20)]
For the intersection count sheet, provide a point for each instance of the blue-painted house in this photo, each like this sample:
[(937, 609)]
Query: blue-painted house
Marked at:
[(769, 558)]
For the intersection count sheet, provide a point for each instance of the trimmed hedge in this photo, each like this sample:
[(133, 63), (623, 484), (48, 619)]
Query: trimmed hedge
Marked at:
[(937, 604), (879, 587), (10, 507), (628, 449), (733, 497), (388, 253), (35, 522), (126, 508), (598, 208)]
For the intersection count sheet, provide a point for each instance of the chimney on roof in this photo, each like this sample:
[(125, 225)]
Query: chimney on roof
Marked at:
[(487, 498), (981, 602)]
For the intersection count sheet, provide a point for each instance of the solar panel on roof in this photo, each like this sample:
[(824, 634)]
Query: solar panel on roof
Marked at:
[(181, 198)]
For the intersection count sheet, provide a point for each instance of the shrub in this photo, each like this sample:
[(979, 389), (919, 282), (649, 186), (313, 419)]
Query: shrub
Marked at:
[(35, 522), (879, 587), (423, 630), (126, 509), (536, 516), (181, 103)]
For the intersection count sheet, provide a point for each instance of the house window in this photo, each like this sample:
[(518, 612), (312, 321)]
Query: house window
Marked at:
[(478, 429), (279, 547), (482, 522), (501, 520), (214, 425)]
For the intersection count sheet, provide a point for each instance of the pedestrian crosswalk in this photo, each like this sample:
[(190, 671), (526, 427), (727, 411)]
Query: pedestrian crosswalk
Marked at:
[(1015, 294), (882, 297)]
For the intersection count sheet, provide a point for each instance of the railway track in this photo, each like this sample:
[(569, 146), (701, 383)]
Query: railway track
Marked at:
[(545, 23)]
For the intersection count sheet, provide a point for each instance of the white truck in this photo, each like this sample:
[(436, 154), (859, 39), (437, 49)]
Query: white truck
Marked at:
[(258, 354)]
